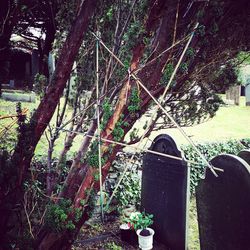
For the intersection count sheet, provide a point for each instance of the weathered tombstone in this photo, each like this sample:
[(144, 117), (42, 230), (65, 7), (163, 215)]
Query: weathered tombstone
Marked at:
[(245, 155), (165, 193), (12, 83), (233, 95), (223, 205), (247, 90), (51, 63)]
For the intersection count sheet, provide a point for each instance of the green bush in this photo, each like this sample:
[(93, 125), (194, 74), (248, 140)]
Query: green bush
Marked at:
[(56, 218), (129, 191), (210, 150)]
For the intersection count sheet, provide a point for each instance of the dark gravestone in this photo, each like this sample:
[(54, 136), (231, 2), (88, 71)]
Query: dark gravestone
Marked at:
[(245, 155), (165, 193), (223, 205)]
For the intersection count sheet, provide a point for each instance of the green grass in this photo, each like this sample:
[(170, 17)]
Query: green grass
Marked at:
[(9, 138), (230, 122), (193, 231)]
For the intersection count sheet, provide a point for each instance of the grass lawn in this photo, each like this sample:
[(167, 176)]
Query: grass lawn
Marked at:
[(230, 122), (9, 138)]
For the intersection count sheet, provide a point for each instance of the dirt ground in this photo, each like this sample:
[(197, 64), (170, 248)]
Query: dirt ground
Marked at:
[(106, 236)]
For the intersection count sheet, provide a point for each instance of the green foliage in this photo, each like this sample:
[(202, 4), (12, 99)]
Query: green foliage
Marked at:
[(96, 176), (112, 246), (139, 220), (133, 135), (190, 52), (134, 31), (129, 191), (244, 57), (201, 31), (184, 68), (40, 84), (210, 150), (118, 131), (107, 113), (110, 13), (92, 159), (93, 155), (64, 19), (169, 69), (56, 218), (189, 111), (224, 77), (8, 174), (78, 214), (82, 202), (134, 101)]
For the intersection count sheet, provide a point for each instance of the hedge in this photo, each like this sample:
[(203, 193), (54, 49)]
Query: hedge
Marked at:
[(210, 150)]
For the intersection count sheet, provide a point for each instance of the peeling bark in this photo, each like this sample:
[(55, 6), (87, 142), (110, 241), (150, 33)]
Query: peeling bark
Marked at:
[(40, 119)]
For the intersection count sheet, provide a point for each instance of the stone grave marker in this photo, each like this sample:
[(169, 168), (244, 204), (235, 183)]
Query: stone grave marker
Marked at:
[(233, 95), (165, 193), (245, 155), (223, 205), (247, 90)]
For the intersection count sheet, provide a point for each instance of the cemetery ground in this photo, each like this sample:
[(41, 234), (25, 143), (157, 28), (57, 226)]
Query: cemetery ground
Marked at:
[(230, 122)]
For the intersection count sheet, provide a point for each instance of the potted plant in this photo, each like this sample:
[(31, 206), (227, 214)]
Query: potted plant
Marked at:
[(128, 233), (140, 222)]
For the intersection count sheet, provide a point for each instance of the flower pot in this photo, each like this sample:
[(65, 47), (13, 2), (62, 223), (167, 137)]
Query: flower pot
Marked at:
[(145, 242), (128, 235), (125, 232)]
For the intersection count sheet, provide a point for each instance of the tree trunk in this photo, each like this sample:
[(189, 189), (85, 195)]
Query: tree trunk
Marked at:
[(46, 109), (80, 178), (31, 133)]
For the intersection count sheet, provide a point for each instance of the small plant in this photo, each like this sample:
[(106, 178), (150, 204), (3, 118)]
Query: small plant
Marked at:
[(112, 246), (57, 216), (139, 220)]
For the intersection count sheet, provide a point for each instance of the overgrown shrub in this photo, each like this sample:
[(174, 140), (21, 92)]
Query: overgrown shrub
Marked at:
[(129, 191), (210, 150), (56, 218)]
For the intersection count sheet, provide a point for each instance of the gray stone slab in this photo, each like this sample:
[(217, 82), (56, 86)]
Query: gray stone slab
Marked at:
[(223, 205), (247, 90), (19, 97), (165, 193), (245, 155), (233, 95)]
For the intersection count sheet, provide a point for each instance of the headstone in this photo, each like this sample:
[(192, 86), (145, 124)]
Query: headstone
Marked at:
[(51, 64), (165, 193), (12, 83), (223, 205), (247, 90), (233, 95), (245, 155)]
